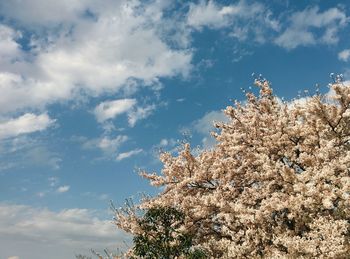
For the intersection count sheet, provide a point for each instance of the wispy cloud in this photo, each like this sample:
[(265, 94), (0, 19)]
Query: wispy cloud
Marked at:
[(128, 154), (111, 109), (140, 113), (243, 19), (108, 145), (24, 124), (247, 21), (97, 196), (301, 24), (27, 151)]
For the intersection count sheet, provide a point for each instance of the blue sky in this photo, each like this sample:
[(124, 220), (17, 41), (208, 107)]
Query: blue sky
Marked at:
[(92, 90)]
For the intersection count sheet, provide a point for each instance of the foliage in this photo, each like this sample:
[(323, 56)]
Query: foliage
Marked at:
[(276, 184), (161, 237)]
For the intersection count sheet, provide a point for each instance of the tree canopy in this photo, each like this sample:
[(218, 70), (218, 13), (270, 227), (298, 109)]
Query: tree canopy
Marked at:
[(161, 236), (276, 184)]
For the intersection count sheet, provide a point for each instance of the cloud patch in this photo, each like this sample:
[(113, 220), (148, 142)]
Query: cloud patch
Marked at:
[(344, 55), (205, 125), (140, 113), (27, 151), (242, 19), (32, 232), (302, 26), (83, 48), (107, 145), (128, 154), (62, 189), (110, 109), (27, 123)]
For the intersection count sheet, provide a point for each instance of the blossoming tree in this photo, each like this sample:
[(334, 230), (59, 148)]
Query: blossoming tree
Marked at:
[(276, 184)]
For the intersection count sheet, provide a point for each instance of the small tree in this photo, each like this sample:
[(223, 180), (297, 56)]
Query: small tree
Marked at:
[(161, 236), (276, 184)]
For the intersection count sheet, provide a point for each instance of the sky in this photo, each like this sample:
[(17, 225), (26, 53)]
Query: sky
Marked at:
[(91, 91)]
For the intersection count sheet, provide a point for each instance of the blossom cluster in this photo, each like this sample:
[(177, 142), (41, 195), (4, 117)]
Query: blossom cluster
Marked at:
[(276, 184)]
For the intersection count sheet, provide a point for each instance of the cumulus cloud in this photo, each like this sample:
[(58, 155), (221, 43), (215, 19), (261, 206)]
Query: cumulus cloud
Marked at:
[(34, 232), (344, 55), (210, 14), (300, 31), (110, 109), (90, 48), (128, 154), (9, 48), (26, 123)]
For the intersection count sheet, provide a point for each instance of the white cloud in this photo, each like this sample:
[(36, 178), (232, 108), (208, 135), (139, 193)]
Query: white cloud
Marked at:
[(26, 123), (242, 18), (117, 47), (301, 25), (111, 145), (128, 154), (110, 109), (13, 257), (344, 55), (64, 188), (209, 14), (205, 125), (9, 48), (140, 113), (108, 145), (32, 233)]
